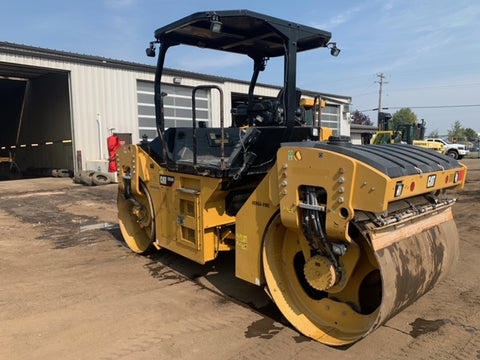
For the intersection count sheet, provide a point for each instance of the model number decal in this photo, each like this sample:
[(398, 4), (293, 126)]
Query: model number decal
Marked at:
[(260, 203), (431, 181), (166, 180)]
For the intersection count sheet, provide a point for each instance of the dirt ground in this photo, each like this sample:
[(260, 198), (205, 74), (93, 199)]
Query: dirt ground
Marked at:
[(71, 289)]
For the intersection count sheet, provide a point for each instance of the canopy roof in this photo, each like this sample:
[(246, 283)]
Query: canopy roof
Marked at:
[(242, 32)]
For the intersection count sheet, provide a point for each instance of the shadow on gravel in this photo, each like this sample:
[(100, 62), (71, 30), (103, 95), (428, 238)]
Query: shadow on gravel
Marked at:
[(217, 276)]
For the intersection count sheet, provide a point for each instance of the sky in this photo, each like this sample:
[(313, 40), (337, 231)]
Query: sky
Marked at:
[(429, 51)]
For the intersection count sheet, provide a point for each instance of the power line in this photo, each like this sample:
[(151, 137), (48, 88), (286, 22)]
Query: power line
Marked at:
[(423, 107), (435, 87), (447, 86)]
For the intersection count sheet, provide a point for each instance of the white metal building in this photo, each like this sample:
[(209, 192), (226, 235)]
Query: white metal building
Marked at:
[(58, 108), (362, 134)]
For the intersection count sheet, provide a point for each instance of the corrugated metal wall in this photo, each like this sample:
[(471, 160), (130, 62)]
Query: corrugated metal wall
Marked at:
[(103, 100)]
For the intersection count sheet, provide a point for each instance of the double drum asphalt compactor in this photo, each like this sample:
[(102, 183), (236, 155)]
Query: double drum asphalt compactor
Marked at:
[(343, 236)]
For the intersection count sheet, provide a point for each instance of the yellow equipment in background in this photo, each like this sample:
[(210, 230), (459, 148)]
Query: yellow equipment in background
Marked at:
[(344, 236), (395, 137), (412, 134)]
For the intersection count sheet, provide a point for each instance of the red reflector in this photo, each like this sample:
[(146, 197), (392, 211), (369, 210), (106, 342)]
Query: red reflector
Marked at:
[(412, 186), (461, 175), (446, 179)]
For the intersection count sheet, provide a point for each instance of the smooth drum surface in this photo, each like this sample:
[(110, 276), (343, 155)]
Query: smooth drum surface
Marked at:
[(412, 266)]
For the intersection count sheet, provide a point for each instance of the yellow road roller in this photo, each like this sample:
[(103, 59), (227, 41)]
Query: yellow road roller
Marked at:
[(342, 236)]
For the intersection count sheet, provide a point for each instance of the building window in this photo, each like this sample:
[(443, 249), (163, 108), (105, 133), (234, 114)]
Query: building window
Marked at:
[(177, 107), (331, 118)]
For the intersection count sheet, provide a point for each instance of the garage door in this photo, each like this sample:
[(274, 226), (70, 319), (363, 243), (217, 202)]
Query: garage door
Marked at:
[(177, 108), (35, 119)]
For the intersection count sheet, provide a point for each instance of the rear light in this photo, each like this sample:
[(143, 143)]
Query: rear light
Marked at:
[(459, 176)]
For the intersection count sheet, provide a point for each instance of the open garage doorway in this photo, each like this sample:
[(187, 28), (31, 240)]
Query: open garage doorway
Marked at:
[(35, 119)]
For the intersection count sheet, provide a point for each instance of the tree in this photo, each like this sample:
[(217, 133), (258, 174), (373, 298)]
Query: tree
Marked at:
[(434, 134), (471, 134), (360, 118), (457, 131), (404, 116)]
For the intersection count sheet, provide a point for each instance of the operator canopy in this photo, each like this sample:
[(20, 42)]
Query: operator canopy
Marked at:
[(242, 32)]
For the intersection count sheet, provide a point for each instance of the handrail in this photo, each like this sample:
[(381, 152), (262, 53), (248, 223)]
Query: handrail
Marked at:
[(317, 120), (222, 127)]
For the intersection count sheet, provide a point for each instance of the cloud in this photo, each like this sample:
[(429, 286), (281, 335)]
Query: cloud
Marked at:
[(119, 3), (421, 50), (457, 18), (388, 5), (339, 19)]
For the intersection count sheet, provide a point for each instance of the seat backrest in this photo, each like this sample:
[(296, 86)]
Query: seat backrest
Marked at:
[(280, 107)]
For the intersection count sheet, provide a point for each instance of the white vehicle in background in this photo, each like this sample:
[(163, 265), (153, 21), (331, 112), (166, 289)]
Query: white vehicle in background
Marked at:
[(456, 151)]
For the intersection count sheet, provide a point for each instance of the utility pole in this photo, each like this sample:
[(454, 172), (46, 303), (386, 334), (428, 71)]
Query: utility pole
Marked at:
[(381, 82)]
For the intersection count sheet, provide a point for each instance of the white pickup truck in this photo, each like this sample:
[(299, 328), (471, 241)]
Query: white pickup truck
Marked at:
[(456, 151)]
